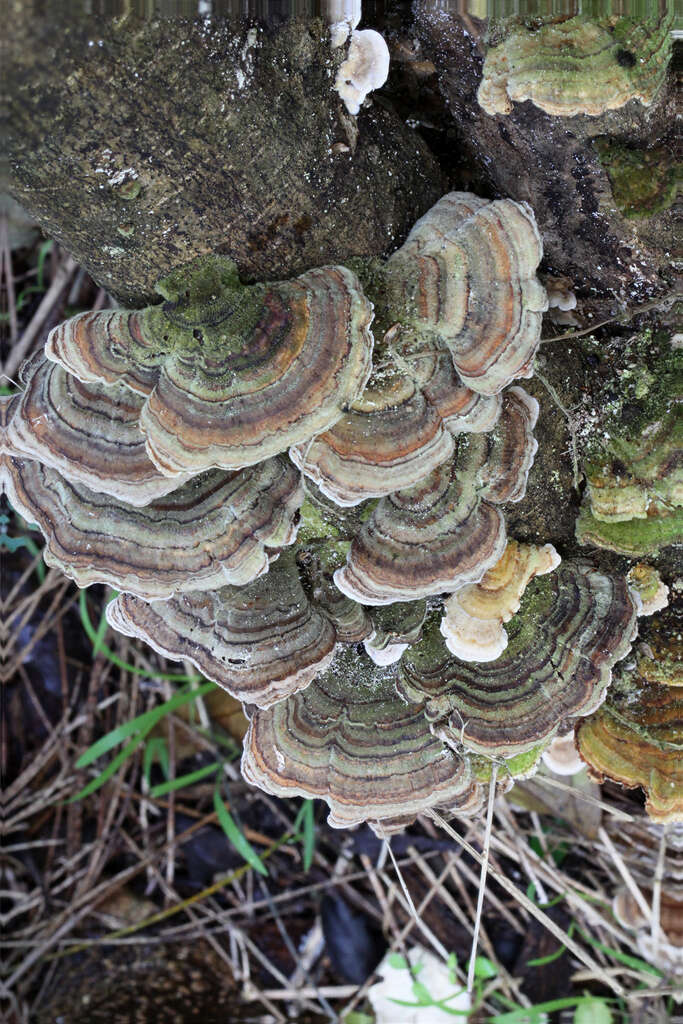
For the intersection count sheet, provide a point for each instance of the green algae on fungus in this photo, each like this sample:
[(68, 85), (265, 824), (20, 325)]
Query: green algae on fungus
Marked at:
[(472, 625), (571, 628), (643, 181), (394, 628), (579, 65), (351, 741), (231, 373), (634, 462)]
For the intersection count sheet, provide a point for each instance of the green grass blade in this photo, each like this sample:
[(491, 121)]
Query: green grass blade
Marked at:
[(309, 834), (157, 748), (13, 543), (622, 958), (240, 842), (110, 770), (185, 780), (142, 724), (534, 1014), (43, 253)]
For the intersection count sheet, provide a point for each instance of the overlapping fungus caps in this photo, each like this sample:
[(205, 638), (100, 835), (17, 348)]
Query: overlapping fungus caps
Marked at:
[(634, 469), (579, 65), (472, 625), (389, 440), (88, 432), (217, 528), (261, 642), (444, 533), (231, 374), (400, 428), (636, 739), (467, 274), (572, 626), (434, 537), (351, 741)]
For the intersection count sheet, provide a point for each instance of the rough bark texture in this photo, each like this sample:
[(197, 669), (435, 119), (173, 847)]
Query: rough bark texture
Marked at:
[(553, 164), (139, 145)]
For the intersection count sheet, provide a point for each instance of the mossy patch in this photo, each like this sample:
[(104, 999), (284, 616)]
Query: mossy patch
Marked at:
[(643, 181)]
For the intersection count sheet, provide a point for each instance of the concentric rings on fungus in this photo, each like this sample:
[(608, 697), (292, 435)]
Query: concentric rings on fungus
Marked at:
[(261, 642), (88, 432), (434, 537), (351, 741), (232, 374), (572, 626), (467, 275), (400, 428), (636, 739), (442, 534), (218, 528)]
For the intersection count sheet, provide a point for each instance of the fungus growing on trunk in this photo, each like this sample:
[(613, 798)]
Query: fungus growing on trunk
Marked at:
[(636, 739), (231, 374), (573, 625), (472, 625), (466, 275), (444, 533), (88, 432), (350, 740)]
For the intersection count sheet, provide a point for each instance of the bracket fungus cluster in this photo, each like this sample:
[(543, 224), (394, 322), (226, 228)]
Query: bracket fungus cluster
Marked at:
[(573, 625), (315, 516), (634, 468), (578, 65), (636, 738)]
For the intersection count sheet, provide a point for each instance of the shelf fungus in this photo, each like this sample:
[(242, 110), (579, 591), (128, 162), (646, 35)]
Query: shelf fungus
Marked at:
[(634, 498), (218, 528), (472, 625), (231, 374), (636, 739), (400, 428), (261, 642), (467, 274), (445, 532), (572, 626), (88, 432), (351, 741), (579, 65)]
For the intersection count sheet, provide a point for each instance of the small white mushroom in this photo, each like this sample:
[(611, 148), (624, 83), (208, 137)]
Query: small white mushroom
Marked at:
[(562, 756), (365, 68)]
